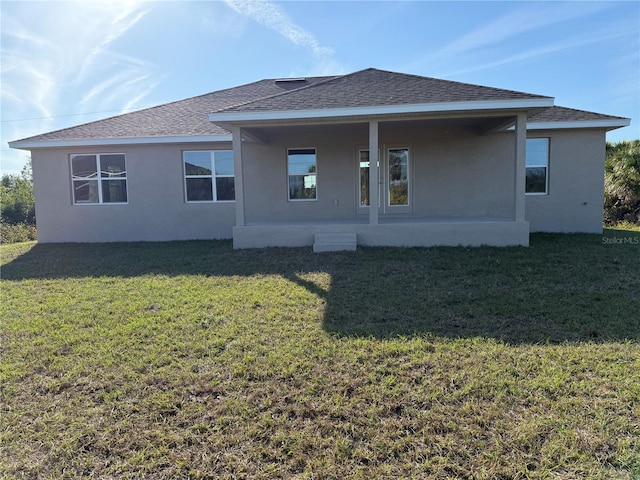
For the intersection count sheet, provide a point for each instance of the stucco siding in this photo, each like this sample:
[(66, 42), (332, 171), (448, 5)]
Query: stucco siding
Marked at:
[(576, 183), (462, 174), (266, 181), (156, 208), (453, 173)]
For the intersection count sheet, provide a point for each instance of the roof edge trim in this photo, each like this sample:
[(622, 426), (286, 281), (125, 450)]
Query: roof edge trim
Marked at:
[(29, 144), (608, 124), (541, 102)]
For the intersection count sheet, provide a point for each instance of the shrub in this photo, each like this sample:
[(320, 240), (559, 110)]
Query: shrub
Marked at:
[(17, 207), (622, 183), (18, 232)]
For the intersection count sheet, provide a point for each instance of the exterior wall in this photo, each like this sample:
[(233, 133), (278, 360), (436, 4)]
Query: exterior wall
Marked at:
[(265, 173), (156, 208), (460, 174), (454, 173), (576, 183)]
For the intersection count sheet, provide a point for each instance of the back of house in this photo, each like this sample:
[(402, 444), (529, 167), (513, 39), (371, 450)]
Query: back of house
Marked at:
[(380, 157)]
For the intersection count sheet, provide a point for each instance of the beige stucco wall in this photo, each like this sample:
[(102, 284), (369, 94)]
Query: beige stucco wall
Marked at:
[(462, 174), (576, 183), (265, 173), (156, 208), (454, 173)]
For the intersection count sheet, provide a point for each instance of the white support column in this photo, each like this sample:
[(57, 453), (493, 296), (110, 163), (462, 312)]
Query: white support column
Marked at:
[(520, 167), (373, 172), (236, 135)]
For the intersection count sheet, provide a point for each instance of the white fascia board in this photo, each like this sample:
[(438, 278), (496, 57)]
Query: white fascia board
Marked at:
[(579, 124), (97, 142), (521, 104)]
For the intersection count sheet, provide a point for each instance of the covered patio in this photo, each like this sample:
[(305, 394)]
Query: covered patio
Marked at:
[(461, 167), (408, 227)]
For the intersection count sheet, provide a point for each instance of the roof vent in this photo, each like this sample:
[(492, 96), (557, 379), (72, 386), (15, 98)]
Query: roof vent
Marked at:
[(291, 80)]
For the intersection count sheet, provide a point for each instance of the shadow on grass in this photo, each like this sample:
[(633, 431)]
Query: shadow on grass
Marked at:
[(563, 288)]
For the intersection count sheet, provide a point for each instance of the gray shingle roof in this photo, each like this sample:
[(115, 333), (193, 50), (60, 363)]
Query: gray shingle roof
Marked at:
[(187, 117), (370, 87), (564, 114)]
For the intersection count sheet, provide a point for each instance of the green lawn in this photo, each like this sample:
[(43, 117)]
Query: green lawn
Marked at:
[(191, 360)]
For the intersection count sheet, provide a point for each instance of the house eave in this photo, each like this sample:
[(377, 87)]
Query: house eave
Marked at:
[(381, 110), (606, 124), (96, 142)]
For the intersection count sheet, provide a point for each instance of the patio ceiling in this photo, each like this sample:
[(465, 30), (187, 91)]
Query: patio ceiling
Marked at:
[(479, 125)]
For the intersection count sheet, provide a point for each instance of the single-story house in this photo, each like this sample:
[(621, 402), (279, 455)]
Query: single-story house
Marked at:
[(371, 158)]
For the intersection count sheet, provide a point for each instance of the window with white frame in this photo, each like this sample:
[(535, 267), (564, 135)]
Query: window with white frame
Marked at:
[(537, 166), (99, 178), (209, 176), (301, 171)]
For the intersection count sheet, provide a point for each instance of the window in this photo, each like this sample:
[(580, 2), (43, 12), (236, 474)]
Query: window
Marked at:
[(208, 176), (100, 178), (301, 168), (537, 160)]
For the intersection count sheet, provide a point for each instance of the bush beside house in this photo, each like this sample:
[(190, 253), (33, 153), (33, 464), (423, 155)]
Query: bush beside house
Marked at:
[(622, 183), (17, 204)]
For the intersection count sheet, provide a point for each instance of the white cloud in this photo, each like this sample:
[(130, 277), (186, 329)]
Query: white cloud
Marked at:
[(517, 22), (274, 17), (69, 54), (114, 24), (60, 58), (544, 50), (532, 18)]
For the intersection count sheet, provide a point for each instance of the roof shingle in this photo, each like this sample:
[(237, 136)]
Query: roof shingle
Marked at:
[(370, 87), (564, 114), (187, 117)]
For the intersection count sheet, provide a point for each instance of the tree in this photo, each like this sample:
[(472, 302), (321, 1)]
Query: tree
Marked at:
[(17, 203), (622, 182)]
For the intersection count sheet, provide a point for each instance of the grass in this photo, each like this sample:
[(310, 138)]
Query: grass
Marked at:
[(191, 360)]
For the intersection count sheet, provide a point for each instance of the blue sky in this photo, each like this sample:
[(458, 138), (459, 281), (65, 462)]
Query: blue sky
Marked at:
[(70, 62)]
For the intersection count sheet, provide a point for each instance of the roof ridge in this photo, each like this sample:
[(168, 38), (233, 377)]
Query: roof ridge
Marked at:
[(306, 87), (256, 102)]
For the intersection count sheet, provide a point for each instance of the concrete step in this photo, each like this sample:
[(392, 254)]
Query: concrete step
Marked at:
[(335, 242)]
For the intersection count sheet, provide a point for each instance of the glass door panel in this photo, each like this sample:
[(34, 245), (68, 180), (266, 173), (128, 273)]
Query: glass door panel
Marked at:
[(363, 195), (394, 171), (398, 186), (363, 181)]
